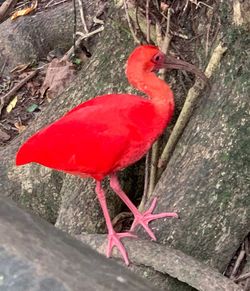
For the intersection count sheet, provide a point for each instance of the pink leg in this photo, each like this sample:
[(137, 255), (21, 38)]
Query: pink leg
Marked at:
[(113, 237), (140, 218)]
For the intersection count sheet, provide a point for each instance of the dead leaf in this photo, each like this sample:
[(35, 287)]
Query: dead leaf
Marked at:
[(12, 104), (20, 127), (59, 75), (24, 74), (20, 68), (34, 86), (24, 11), (4, 136)]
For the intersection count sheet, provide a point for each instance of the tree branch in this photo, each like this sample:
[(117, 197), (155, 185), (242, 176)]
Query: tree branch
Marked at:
[(191, 100)]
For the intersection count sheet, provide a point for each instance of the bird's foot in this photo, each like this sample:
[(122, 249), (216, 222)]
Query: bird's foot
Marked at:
[(144, 218), (114, 239)]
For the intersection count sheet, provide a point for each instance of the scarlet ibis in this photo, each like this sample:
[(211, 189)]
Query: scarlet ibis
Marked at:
[(104, 135)]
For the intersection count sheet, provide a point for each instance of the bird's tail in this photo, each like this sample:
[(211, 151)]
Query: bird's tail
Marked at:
[(25, 154)]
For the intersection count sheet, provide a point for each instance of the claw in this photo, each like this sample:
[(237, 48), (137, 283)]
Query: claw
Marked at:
[(144, 218), (114, 239)]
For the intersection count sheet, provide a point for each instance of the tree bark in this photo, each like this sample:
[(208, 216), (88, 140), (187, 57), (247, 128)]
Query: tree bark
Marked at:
[(177, 264)]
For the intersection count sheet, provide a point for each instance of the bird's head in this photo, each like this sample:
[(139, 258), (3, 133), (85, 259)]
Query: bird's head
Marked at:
[(148, 58)]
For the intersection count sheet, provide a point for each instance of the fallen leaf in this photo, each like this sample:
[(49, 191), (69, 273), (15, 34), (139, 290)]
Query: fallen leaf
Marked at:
[(20, 127), (4, 136), (24, 11), (33, 86), (32, 108), (20, 68), (59, 75), (12, 104)]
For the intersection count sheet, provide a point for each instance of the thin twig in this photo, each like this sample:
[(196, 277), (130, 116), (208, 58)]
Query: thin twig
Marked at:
[(150, 162), (164, 46), (3, 67), (5, 99), (74, 30), (246, 246), (79, 40), (198, 4), (48, 4), (242, 277), (237, 264), (129, 23), (191, 99), (146, 184), (6, 7), (168, 22), (84, 35), (55, 4), (19, 6), (153, 168), (147, 21), (82, 16), (98, 21), (185, 7)]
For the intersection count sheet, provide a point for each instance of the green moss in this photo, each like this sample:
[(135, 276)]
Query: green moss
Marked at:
[(225, 196), (237, 40), (24, 199), (224, 9), (224, 157), (120, 28)]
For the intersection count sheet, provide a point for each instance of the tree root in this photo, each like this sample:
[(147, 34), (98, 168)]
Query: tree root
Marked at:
[(168, 261)]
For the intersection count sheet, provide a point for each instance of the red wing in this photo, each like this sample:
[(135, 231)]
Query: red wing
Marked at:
[(93, 137), (75, 146)]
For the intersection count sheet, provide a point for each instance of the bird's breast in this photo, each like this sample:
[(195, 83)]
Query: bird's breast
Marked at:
[(141, 140)]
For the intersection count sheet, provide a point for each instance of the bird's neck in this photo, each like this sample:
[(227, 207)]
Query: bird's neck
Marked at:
[(157, 90)]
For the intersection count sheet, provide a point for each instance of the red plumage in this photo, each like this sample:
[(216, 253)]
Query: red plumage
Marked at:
[(98, 137), (106, 134)]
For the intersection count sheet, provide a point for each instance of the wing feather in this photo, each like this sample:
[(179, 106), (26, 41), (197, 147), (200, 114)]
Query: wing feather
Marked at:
[(91, 138)]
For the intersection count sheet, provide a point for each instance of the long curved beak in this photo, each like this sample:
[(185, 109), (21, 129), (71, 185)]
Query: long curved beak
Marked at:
[(173, 63)]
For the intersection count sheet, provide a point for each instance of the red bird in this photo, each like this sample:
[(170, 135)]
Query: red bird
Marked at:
[(104, 135)]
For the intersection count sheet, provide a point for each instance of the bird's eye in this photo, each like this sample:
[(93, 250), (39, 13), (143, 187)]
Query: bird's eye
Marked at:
[(157, 58)]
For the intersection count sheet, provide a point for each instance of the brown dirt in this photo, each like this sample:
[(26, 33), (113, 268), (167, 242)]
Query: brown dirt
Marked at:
[(12, 123)]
